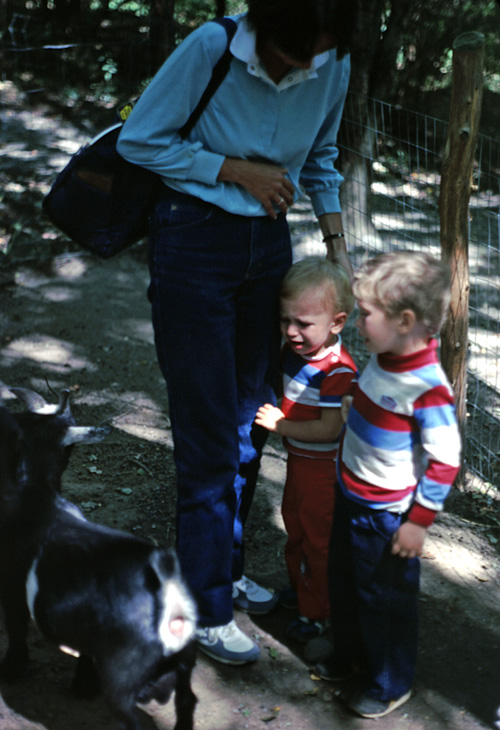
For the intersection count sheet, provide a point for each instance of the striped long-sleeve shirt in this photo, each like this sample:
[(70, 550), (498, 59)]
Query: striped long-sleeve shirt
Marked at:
[(313, 383), (401, 446)]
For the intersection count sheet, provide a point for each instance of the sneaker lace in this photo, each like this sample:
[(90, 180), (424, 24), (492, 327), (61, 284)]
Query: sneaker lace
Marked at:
[(223, 632), (246, 585)]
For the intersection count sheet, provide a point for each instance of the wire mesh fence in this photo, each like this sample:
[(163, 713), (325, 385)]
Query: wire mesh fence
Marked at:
[(390, 202), (391, 159)]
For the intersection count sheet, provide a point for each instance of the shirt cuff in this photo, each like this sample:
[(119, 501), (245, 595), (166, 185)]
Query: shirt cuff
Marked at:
[(205, 167), (421, 515), (325, 202)]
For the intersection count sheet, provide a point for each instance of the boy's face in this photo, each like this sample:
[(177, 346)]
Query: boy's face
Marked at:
[(380, 332), (308, 324)]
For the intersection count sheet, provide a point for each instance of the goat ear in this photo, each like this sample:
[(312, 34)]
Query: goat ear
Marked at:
[(85, 435)]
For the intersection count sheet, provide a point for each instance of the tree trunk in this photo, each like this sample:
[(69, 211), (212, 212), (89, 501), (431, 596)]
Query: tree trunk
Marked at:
[(355, 135), (356, 144), (465, 110), (220, 8), (161, 31)]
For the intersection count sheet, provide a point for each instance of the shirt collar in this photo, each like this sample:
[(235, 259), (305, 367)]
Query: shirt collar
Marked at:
[(243, 48), (401, 363), (333, 352)]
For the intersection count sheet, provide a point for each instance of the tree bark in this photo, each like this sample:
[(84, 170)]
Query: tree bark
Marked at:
[(220, 8), (161, 31), (465, 110)]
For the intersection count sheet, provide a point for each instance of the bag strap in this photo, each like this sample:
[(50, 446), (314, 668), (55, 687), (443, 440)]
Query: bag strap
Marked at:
[(218, 74)]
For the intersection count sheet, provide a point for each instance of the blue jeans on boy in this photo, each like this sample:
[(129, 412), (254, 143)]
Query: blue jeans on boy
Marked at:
[(374, 598), (214, 288)]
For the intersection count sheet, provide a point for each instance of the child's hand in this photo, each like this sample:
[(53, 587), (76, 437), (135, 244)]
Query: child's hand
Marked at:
[(269, 416), (408, 541), (346, 404)]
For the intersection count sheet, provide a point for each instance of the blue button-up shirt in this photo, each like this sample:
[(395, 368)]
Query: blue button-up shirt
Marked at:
[(292, 124)]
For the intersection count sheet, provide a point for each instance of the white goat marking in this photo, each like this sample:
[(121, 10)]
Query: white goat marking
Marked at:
[(70, 508), (178, 623)]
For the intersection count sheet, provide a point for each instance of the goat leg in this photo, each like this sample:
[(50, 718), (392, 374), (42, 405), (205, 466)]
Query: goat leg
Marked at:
[(16, 618), (86, 684), (185, 699)]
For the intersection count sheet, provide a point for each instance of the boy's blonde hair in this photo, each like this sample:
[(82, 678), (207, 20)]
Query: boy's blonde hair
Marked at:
[(315, 272), (406, 280)]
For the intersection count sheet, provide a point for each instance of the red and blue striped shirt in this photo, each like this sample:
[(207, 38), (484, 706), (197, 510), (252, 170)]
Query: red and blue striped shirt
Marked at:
[(401, 446), (310, 384)]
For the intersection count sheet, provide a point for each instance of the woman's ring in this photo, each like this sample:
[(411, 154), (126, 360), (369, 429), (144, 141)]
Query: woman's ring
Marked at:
[(281, 200)]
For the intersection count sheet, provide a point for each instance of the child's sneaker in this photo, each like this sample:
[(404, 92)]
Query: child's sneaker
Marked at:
[(303, 629), (333, 669), (252, 598), (227, 644), (366, 706)]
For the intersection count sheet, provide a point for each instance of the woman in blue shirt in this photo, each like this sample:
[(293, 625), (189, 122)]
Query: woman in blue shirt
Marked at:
[(219, 248)]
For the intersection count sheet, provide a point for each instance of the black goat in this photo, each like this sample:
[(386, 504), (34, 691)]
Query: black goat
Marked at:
[(110, 598)]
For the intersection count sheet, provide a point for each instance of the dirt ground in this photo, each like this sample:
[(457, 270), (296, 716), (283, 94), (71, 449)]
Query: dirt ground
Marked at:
[(71, 321)]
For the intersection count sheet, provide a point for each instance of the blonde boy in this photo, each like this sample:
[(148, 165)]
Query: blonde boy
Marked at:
[(398, 458), (315, 300)]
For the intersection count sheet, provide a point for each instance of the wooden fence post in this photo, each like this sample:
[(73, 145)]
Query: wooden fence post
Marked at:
[(455, 189)]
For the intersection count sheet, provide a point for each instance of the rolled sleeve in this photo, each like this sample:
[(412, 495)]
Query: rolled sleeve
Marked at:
[(320, 179), (150, 137), (206, 167)]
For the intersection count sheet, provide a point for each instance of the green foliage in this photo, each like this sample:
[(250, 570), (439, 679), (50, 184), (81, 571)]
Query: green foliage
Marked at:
[(139, 9), (190, 14), (115, 52), (427, 30), (112, 53)]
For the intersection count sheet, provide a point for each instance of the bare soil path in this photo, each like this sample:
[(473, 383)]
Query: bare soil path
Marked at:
[(70, 321)]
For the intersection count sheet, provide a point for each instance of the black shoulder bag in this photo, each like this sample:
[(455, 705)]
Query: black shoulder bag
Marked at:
[(101, 201)]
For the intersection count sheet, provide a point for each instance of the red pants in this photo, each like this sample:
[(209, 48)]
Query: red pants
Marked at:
[(307, 509)]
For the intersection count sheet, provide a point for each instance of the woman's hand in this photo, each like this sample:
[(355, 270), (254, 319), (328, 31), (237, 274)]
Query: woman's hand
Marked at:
[(269, 416), (266, 182), (336, 249)]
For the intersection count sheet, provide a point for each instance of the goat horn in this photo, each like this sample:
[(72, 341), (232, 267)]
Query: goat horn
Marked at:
[(37, 404), (32, 400)]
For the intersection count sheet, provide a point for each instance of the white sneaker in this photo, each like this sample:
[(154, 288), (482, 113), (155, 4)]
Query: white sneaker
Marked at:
[(227, 644), (252, 598)]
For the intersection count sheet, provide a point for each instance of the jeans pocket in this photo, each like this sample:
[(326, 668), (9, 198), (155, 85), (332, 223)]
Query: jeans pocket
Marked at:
[(182, 213), (386, 524)]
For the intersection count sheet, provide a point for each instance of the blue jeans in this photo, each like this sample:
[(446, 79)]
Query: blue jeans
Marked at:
[(214, 288), (373, 598)]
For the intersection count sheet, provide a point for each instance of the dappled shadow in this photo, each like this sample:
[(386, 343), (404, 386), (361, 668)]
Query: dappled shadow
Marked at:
[(84, 324), (78, 323), (37, 143)]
